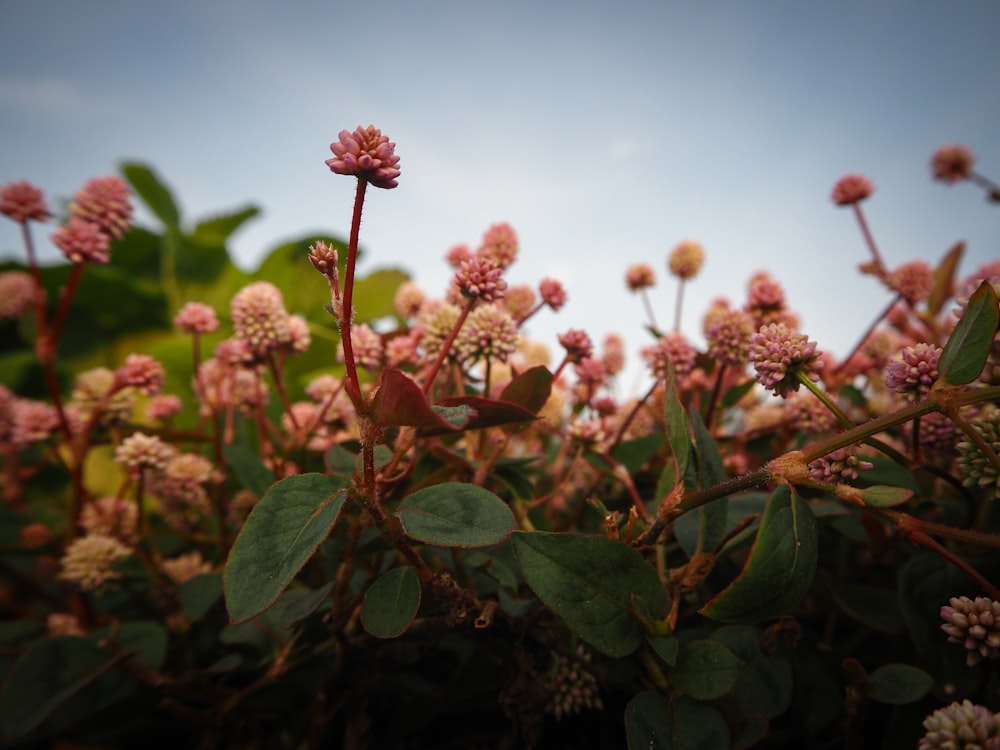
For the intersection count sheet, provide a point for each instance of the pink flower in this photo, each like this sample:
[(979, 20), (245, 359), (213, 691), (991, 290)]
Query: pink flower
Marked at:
[(613, 356), (915, 371), (23, 202), (196, 317), (408, 299), (260, 318), (639, 276), (670, 349), (82, 242), (143, 373), (457, 254), (366, 154), (728, 337), (779, 355), (140, 451), (499, 244), (31, 421), (163, 406), (552, 293), (837, 467), (852, 188), (112, 516), (952, 163), (367, 347), (106, 202), (17, 290), (481, 277), (520, 301), (913, 281), (686, 259), (577, 344), (489, 333)]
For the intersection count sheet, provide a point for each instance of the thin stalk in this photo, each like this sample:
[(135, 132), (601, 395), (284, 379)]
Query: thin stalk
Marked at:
[(347, 306), (869, 239)]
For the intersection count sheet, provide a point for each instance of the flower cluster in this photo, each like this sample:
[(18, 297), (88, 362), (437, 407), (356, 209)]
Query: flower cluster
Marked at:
[(782, 357), (975, 624)]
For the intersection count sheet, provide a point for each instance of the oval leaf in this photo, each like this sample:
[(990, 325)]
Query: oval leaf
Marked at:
[(944, 276), (400, 402), (391, 603), (650, 724), (882, 496), (454, 514), (153, 192), (705, 670), (965, 354), (780, 568), (531, 389), (595, 584), (280, 535), (897, 684)]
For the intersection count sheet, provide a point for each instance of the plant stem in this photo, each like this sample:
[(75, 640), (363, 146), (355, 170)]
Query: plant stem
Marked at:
[(347, 306), (446, 346), (869, 240)]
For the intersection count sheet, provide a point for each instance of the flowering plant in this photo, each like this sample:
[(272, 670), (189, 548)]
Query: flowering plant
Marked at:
[(391, 520)]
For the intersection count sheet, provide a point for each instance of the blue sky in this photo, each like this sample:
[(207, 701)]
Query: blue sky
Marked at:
[(604, 132)]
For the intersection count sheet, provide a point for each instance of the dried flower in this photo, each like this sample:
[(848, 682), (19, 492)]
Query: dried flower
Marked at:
[(23, 202), (686, 259), (481, 277), (915, 371), (89, 561), (839, 466), (913, 281), (952, 163), (366, 154), (499, 245), (196, 317), (728, 337), (974, 624), (143, 373), (552, 293), (106, 202), (140, 451), (82, 242), (851, 189), (670, 350), (961, 726), (260, 318), (17, 290), (780, 356), (976, 468), (639, 276), (489, 333)]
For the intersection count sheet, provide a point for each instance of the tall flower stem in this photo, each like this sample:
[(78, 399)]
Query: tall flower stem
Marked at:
[(678, 306), (347, 307), (869, 239)]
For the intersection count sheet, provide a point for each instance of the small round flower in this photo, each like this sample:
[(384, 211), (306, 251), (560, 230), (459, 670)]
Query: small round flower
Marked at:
[(96, 389), (572, 687), (299, 337), (323, 256), (140, 451), (779, 355), (366, 154), (408, 299), (915, 371), (851, 189), (613, 355), (489, 333), (106, 202), (686, 259), (367, 346), (552, 293), (481, 277), (185, 567), (913, 281), (260, 318), (938, 437), (520, 301), (728, 337), (89, 561), (590, 373), (974, 624), (163, 406), (111, 516), (837, 467), (952, 163), (323, 387), (577, 344), (17, 291), (196, 317), (82, 241), (590, 434), (976, 469), (961, 726), (808, 413), (764, 295), (670, 350), (401, 351), (30, 421), (534, 353), (23, 202), (436, 322), (143, 373), (639, 276), (457, 254), (499, 245)]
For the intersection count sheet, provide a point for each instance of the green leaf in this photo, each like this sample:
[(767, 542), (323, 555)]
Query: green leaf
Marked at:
[(711, 517), (216, 230), (594, 584), (47, 675), (666, 647), (650, 724), (766, 683), (705, 670), (780, 568), (153, 192), (249, 469), (391, 603), (678, 429), (298, 603), (944, 276), (882, 496), (280, 535), (897, 684), (875, 606), (148, 641), (454, 514), (965, 354), (199, 594)]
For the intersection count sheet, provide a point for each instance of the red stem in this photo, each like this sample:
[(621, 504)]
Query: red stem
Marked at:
[(347, 307)]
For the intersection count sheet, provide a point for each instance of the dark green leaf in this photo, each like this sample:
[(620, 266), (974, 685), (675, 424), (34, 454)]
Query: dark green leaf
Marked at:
[(666, 647), (216, 230), (298, 603), (593, 583), (678, 429), (780, 568), (965, 354), (882, 496), (391, 603), (147, 640), (897, 684), (199, 594), (454, 514), (633, 454), (875, 606), (705, 670), (281, 534), (766, 681), (249, 469), (711, 517), (650, 724), (153, 192)]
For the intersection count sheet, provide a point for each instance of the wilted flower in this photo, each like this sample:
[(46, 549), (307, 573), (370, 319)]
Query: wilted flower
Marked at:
[(196, 317), (366, 154), (961, 726), (82, 242), (639, 276), (852, 188), (952, 163), (105, 202), (259, 317), (915, 371), (23, 202), (780, 355), (686, 259), (17, 290), (89, 561), (499, 245), (975, 624)]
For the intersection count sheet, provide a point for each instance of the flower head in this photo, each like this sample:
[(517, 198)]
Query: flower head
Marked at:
[(299, 337), (952, 163), (520, 301), (639, 276), (915, 371), (577, 344), (839, 466), (913, 281), (366, 154), (259, 317), (436, 322), (670, 350), (23, 202), (140, 451), (481, 277), (143, 373), (111, 516), (961, 726), (780, 355), (851, 189), (976, 468), (686, 259), (185, 567), (728, 336), (17, 289), (408, 299), (82, 241), (613, 355), (975, 624), (30, 421), (499, 244), (196, 317), (106, 202), (89, 561), (456, 254), (572, 687), (552, 293), (489, 333), (367, 347)]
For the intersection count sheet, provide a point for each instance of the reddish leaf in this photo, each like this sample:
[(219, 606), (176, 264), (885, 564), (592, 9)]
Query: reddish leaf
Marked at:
[(530, 389), (400, 402), (486, 412)]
